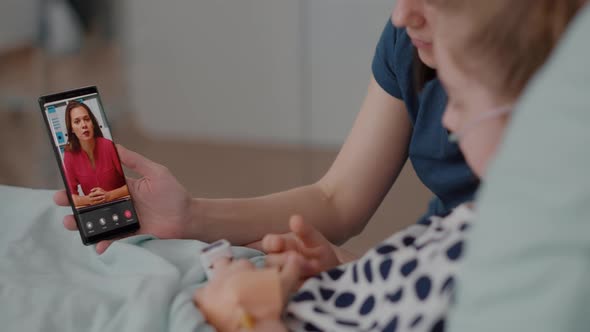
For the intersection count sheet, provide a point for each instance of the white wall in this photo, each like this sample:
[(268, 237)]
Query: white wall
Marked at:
[(341, 41), (271, 71), (18, 23)]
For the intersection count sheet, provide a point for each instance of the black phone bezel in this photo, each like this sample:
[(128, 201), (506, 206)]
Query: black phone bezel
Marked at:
[(86, 240)]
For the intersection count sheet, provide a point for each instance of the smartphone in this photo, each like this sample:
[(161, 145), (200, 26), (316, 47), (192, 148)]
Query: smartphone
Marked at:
[(89, 164)]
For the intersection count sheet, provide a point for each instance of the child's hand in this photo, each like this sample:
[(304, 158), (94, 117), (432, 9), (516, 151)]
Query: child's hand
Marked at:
[(239, 294), (307, 241)]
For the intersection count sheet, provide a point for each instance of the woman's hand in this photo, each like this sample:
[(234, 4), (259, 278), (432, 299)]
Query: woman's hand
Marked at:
[(98, 195), (318, 252), (163, 204), (239, 295)]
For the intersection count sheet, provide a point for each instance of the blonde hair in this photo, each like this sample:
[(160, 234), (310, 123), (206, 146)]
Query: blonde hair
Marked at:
[(513, 38)]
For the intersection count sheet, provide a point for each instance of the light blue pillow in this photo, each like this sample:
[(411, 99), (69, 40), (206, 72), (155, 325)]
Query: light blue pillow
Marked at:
[(527, 265)]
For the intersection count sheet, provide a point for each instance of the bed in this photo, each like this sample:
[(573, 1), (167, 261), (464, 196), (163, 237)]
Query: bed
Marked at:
[(49, 281)]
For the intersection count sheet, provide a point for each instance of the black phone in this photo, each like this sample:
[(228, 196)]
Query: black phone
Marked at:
[(89, 164)]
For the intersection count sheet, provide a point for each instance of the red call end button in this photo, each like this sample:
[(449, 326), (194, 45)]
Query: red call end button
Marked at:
[(128, 214)]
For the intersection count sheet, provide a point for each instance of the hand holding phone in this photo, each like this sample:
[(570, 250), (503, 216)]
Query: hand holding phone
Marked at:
[(89, 164), (162, 203)]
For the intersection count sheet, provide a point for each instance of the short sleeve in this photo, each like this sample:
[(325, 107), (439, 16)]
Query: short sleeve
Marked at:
[(383, 61)]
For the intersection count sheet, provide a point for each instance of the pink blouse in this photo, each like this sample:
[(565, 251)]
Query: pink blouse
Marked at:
[(107, 172)]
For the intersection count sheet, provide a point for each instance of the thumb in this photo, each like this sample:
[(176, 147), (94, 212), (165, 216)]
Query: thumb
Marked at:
[(137, 162), (102, 246), (308, 234), (291, 273)]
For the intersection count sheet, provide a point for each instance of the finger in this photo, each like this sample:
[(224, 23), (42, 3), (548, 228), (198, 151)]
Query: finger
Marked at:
[(275, 243), (137, 162), (272, 243), (70, 223), (95, 193), (308, 267), (61, 198), (99, 197), (256, 245), (221, 264), (275, 260), (240, 265), (310, 236), (102, 246), (291, 273)]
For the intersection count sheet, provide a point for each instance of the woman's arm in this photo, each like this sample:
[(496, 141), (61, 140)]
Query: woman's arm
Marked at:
[(339, 204), (344, 256), (81, 200), (98, 195), (117, 193)]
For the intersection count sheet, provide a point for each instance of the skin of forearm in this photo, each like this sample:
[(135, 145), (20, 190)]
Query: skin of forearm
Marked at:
[(118, 193), (81, 200), (243, 221), (341, 203), (344, 256)]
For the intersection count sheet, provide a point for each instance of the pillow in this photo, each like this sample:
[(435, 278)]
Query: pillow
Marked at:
[(527, 264)]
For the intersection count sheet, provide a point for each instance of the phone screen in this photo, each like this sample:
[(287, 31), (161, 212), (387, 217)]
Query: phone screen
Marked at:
[(89, 163)]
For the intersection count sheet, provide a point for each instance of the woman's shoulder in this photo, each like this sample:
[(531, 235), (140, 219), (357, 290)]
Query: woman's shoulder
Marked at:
[(397, 38), (70, 158), (393, 61), (68, 154)]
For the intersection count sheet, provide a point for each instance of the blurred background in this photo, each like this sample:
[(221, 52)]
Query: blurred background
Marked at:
[(237, 98)]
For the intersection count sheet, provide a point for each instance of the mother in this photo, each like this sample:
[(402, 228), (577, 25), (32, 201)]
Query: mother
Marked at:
[(409, 285)]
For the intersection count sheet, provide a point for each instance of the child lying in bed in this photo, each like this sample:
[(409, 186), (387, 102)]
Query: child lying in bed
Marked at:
[(486, 52)]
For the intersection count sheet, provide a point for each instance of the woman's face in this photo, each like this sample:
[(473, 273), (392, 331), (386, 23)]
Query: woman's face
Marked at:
[(410, 14), (473, 110), (82, 124)]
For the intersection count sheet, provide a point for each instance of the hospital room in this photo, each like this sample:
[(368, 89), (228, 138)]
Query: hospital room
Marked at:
[(308, 165)]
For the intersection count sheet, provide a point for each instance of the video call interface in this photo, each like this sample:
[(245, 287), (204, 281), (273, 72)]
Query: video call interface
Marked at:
[(90, 164)]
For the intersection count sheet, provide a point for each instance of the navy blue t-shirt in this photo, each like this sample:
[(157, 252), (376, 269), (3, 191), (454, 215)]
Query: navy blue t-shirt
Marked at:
[(438, 163)]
